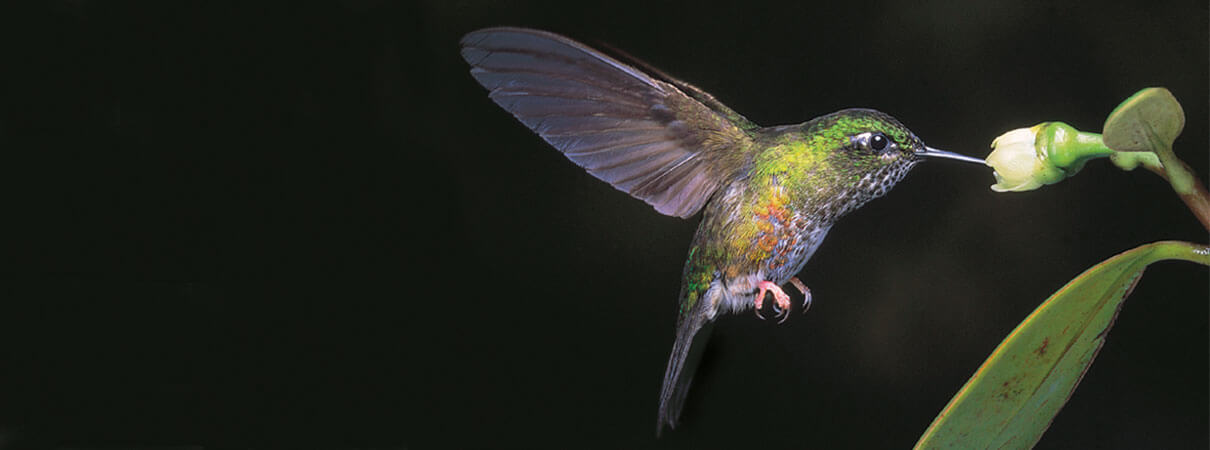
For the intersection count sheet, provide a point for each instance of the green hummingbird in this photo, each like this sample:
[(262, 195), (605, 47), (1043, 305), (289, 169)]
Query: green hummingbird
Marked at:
[(768, 195)]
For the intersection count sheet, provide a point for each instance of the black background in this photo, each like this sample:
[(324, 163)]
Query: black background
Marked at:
[(306, 225)]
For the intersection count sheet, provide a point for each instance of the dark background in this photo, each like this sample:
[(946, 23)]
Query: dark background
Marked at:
[(306, 225)]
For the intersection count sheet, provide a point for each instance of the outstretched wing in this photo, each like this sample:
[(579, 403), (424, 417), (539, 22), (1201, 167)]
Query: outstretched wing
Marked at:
[(642, 135), (689, 89)]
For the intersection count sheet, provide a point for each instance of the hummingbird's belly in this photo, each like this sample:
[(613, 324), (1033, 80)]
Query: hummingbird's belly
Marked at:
[(792, 254), (787, 257)]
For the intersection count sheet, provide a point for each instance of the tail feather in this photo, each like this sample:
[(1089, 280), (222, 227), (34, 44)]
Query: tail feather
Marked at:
[(691, 336)]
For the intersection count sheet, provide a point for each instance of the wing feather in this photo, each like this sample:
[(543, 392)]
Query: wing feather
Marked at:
[(642, 135)]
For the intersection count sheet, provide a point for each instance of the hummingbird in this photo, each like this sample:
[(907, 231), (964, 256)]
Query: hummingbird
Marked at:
[(768, 195)]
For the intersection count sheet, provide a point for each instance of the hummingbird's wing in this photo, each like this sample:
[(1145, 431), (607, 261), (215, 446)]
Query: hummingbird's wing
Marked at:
[(642, 135), (693, 91)]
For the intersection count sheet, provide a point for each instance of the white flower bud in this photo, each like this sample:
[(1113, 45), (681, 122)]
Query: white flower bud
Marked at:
[(1028, 158)]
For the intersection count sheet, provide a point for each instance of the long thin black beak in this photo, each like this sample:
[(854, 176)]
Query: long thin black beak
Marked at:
[(930, 152)]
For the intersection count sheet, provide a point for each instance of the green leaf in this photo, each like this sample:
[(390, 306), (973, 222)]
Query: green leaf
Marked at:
[(1149, 111), (1013, 397)]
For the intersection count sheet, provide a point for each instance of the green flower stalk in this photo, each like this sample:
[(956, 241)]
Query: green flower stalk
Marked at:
[(1028, 158), (1138, 133)]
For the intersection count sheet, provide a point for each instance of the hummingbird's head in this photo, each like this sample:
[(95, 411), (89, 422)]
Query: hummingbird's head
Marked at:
[(875, 149), (878, 138)]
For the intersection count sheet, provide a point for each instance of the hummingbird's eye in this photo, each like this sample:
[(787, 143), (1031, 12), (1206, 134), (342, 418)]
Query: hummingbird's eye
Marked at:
[(878, 142)]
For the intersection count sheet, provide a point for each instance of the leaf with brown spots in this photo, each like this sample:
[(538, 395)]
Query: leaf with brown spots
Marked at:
[(1013, 397)]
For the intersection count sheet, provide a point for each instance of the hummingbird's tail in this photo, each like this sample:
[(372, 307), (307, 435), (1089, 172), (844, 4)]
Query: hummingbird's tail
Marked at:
[(692, 333)]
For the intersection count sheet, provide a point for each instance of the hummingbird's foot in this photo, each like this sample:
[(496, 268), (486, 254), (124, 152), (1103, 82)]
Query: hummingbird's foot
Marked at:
[(783, 300), (806, 293)]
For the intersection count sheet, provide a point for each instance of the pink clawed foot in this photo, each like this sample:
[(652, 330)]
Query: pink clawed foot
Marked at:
[(783, 300), (806, 293)]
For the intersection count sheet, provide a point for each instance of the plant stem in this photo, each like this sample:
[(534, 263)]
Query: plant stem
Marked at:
[(1183, 181), (1196, 198)]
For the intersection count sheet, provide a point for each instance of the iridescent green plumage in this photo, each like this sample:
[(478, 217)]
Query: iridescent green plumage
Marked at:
[(792, 184), (768, 196)]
